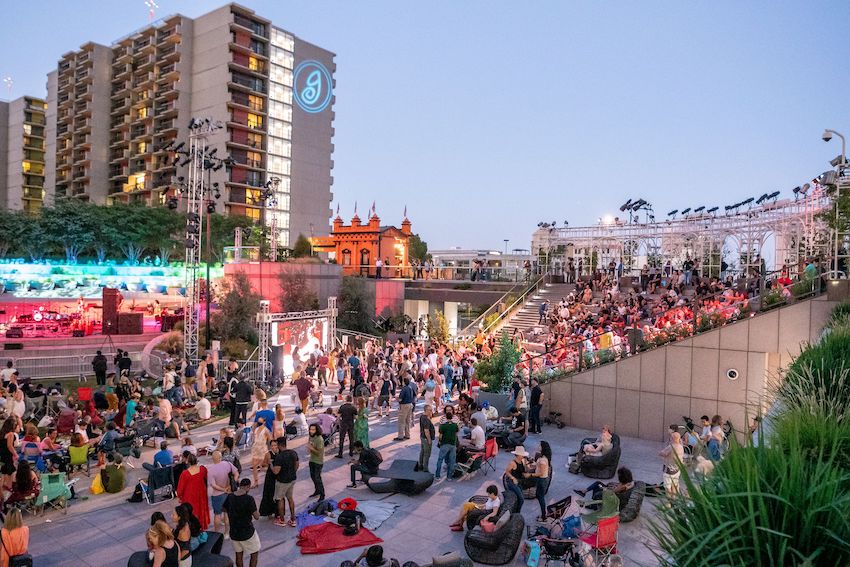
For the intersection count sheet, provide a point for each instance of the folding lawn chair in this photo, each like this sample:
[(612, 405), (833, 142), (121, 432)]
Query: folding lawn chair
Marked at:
[(80, 457), (491, 449), (470, 467), (159, 486), (55, 492), (603, 541)]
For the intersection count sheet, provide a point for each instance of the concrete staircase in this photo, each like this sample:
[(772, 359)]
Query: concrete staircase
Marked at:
[(528, 315)]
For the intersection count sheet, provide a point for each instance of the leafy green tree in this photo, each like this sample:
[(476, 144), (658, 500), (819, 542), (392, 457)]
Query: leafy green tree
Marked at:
[(238, 305), (497, 371), (70, 224), (296, 293), (438, 327), (30, 236), (302, 248), (8, 232), (417, 248), (223, 233), (356, 306)]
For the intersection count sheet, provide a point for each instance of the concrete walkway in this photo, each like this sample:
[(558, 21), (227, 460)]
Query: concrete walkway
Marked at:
[(104, 530)]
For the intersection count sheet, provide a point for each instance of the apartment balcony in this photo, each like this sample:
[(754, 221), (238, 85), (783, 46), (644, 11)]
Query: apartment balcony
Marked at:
[(64, 66), (120, 106), (257, 67), (33, 193), (164, 126), (36, 117), (81, 75), (80, 173), (83, 92), (168, 35), (258, 29), (118, 141), (167, 91), (63, 102), (165, 110), (64, 85), (250, 84), (83, 57), (145, 63), (169, 72), (117, 172), (83, 126), (78, 189), (141, 81), (169, 54)]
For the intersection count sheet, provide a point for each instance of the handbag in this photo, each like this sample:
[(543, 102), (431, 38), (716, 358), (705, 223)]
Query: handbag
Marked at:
[(97, 484), (20, 560)]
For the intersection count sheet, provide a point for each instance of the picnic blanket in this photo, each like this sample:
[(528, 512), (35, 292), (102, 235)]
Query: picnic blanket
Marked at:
[(376, 512), (328, 538)]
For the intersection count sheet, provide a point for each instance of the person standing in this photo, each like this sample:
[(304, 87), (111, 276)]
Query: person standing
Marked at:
[(426, 438), (303, 385), (379, 264), (447, 436), (316, 447), (243, 400), (544, 308), (537, 397), (241, 509), (405, 407), (323, 362), (285, 468), (99, 366), (673, 455), (125, 365), (361, 424), (219, 475), (192, 489), (346, 413), (232, 381)]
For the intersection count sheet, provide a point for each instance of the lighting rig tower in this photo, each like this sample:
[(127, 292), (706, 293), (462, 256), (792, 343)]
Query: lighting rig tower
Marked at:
[(199, 194), (268, 199)]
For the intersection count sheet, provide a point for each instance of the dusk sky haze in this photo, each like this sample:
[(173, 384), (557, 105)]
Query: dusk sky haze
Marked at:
[(485, 118)]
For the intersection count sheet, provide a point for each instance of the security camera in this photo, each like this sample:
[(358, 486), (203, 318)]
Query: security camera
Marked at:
[(827, 135), (732, 374)]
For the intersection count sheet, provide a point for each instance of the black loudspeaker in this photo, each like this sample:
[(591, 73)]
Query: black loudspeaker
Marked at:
[(130, 324), (111, 302), (15, 333), (78, 333), (13, 346)]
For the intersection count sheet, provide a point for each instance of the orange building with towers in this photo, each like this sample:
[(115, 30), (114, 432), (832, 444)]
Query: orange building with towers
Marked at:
[(358, 246)]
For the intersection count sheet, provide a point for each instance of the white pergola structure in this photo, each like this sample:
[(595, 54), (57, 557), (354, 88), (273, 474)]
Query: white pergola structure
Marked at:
[(742, 232)]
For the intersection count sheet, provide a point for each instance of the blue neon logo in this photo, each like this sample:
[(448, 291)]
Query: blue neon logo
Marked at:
[(312, 86)]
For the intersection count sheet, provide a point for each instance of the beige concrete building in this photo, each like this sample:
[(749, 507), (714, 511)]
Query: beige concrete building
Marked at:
[(22, 153), (118, 107)]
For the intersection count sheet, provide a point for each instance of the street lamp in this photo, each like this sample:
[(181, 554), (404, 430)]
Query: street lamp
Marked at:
[(827, 136)]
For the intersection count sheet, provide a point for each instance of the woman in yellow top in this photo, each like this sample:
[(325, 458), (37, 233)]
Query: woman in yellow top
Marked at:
[(479, 340), (16, 536)]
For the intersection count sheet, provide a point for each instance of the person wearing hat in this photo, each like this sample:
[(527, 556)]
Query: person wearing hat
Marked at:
[(515, 472), (350, 517)]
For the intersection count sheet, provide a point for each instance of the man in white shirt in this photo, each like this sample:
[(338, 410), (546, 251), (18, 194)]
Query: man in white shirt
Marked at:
[(6, 373), (477, 437), (204, 409)]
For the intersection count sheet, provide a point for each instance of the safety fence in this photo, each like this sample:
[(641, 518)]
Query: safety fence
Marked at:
[(77, 366)]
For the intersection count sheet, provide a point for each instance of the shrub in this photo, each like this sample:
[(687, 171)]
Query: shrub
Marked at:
[(497, 372), (821, 368), (759, 507)]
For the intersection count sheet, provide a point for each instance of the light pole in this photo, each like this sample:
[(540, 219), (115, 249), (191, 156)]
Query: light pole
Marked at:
[(827, 136), (506, 246)]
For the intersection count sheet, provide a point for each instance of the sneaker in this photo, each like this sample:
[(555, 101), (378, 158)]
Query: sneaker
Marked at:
[(281, 523), (581, 493), (398, 438), (352, 485), (292, 523), (456, 528)]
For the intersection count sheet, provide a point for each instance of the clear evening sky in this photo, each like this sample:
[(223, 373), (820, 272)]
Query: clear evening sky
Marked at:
[(485, 118)]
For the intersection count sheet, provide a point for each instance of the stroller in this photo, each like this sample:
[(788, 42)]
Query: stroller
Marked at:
[(317, 398)]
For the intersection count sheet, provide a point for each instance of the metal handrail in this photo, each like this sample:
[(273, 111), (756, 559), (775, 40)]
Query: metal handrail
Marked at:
[(493, 308)]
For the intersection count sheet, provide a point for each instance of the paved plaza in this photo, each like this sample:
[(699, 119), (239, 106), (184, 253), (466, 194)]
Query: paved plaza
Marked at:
[(104, 530)]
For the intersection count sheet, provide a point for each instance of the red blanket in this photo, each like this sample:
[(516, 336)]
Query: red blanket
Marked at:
[(327, 537)]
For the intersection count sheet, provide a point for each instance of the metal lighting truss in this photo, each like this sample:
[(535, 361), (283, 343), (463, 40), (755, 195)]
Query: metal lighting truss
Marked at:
[(265, 320), (195, 193), (745, 228)]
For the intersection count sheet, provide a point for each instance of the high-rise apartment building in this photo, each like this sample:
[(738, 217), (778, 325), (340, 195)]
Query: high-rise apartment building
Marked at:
[(117, 109), (22, 153)]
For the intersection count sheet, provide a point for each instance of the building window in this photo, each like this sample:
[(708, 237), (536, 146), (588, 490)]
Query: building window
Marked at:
[(255, 140), (143, 112), (255, 102), (346, 257), (254, 159), (364, 257), (255, 121), (252, 213)]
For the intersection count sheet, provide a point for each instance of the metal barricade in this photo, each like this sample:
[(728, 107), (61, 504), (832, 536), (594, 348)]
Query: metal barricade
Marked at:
[(76, 365)]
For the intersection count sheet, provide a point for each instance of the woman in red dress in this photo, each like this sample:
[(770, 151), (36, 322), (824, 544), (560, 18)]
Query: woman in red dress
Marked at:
[(192, 489)]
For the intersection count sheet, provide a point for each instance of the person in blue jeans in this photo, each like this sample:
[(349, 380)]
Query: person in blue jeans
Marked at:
[(540, 476), (515, 472), (447, 442)]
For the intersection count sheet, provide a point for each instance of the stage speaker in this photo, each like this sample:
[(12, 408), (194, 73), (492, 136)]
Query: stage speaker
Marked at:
[(78, 333), (15, 333), (13, 346), (130, 323), (111, 303)]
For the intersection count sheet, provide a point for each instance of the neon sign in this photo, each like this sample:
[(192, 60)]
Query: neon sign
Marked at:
[(312, 86)]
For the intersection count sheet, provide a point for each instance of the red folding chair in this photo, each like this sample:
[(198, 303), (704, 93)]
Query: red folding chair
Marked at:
[(491, 449), (604, 540)]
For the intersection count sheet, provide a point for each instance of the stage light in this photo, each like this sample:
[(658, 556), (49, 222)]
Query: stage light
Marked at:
[(838, 160), (626, 205), (673, 212), (828, 178), (747, 202), (712, 210), (211, 207), (805, 188), (761, 199), (773, 195), (607, 219), (686, 211), (179, 146), (172, 203), (699, 209)]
